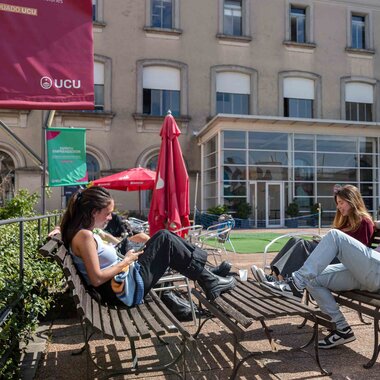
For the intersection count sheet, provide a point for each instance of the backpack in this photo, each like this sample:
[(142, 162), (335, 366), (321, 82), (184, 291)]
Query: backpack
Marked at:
[(178, 305)]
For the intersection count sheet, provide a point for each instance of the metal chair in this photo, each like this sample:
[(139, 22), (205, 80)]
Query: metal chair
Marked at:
[(289, 235), (215, 238), (137, 225)]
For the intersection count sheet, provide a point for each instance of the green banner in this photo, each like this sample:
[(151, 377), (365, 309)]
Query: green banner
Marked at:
[(66, 153)]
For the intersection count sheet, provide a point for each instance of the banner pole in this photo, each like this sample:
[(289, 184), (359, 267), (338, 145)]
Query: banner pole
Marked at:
[(47, 124)]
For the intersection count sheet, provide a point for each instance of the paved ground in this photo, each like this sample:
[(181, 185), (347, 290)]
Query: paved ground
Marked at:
[(211, 359)]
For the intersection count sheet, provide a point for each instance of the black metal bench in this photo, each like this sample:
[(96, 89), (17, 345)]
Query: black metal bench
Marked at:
[(145, 321), (250, 302)]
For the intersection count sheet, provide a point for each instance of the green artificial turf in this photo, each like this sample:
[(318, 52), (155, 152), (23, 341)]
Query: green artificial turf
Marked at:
[(253, 242)]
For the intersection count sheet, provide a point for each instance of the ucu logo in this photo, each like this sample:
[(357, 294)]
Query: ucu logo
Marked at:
[(47, 83)]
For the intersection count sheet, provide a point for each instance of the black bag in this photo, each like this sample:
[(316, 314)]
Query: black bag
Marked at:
[(178, 305)]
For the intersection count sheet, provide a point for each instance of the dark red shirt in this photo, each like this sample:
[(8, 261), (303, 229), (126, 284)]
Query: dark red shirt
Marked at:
[(364, 232)]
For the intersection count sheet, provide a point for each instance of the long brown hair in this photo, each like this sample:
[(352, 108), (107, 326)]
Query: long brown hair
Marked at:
[(352, 196), (79, 211)]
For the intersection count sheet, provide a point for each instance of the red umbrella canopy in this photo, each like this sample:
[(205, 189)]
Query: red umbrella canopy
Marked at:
[(128, 180), (170, 208)]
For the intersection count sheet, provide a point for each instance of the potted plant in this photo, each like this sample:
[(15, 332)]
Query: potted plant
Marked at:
[(292, 212), (314, 210), (243, 211)]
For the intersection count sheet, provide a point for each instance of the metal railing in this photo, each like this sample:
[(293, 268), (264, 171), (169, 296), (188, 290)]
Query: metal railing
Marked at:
[(17, 303)]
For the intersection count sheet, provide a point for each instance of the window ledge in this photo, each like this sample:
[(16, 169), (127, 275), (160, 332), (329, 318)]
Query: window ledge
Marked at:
[(360, 51), (149, 123), (14, 117), (302, 45), (98, 26), (162, 31), (84, 119), (231, 38)]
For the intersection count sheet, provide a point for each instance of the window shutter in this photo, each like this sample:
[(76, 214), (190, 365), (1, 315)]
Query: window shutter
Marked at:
[(161, 78), (298, 88)]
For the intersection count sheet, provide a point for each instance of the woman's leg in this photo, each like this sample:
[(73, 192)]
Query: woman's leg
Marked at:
[(362, 262), (333, 278), (165, 250)]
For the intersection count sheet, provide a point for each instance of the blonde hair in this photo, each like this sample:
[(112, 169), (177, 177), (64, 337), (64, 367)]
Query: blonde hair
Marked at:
[(352, 196)]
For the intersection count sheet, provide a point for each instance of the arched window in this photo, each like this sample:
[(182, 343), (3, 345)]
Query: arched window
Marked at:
[(7, 180), (93, 167)]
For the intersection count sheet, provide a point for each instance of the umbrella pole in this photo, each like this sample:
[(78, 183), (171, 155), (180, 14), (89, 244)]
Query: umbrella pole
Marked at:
[(139, 203), (195, 199)]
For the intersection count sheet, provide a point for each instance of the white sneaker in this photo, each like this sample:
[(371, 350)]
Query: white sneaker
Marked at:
[(258, 274), (336, 338)]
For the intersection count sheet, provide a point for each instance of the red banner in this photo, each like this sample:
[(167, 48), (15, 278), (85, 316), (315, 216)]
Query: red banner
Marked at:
[(46, 54)]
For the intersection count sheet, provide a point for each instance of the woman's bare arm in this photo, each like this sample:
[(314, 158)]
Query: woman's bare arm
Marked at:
[(84, 246)]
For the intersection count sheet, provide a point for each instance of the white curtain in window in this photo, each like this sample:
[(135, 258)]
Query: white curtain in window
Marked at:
[(161, 78), (359, 92), (233, 83), (98, 73), (298, 88)]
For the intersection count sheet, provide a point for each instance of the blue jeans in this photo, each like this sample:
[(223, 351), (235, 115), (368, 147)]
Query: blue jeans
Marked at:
[(359, 269)]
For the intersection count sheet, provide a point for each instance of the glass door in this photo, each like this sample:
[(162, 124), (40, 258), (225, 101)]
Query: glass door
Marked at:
[(253, 202), (274, 204)]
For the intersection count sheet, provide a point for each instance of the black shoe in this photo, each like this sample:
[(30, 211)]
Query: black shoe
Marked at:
[(222, 270), (336, 338), (297, 292), (214, 285)]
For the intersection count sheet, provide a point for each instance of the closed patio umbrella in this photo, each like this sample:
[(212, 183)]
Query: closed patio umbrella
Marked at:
[(169, 208)]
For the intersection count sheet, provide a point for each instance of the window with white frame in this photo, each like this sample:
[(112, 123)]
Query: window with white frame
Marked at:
[(359, 101), (297, 24), (99, 86), (232, 19), (161, 90), (162, 14), (358, 32), (298, 97), (233, 93)]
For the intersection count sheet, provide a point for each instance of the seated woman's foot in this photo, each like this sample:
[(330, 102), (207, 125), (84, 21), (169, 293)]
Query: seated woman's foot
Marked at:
[(214, 285), (288, 287), (222, 270), (336, 338), (258, 274)]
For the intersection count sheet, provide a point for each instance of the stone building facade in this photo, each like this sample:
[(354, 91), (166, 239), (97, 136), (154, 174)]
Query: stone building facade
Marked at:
[(277, 101)]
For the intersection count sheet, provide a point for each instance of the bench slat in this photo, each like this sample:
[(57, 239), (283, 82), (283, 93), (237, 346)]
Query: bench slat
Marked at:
[(151, 320), (174, 324), (116, 324), (128, 325), (49, 248), (95, 316), (139, 322), (165, 321), (105, 321), (229, 310)]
